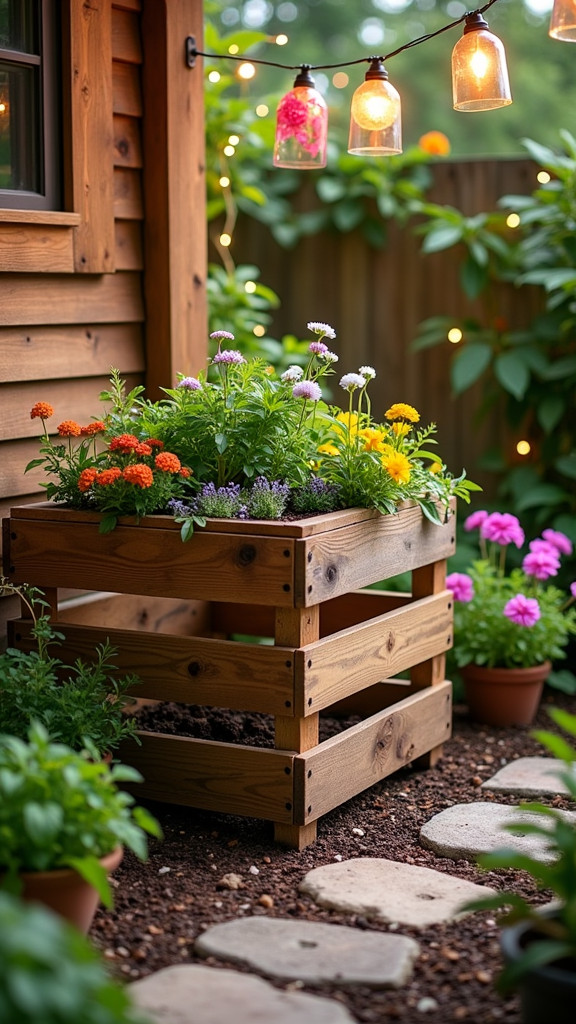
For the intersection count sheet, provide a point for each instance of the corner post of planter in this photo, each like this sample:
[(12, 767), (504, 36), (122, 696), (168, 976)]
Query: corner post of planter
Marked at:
[(427, 580), (296, 627)]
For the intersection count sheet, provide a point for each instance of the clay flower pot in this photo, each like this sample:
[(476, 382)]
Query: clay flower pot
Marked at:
[(66, 892), (504, 696)]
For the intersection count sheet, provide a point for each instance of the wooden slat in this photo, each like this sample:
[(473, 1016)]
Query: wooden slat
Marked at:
[(110, 298), (344, 765), (127, 89), (36, 248), (48, 353), (127, 194), (213, 776), (128, 245), (127, 5), (368, 652), (131, 611), (48, 218), (127, 142), (89, 132), (14, 457), (126, 45)]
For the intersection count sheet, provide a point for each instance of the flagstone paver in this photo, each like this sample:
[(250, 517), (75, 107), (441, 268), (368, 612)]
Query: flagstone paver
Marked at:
[(528, 776), (209, 995), (466, 830), (386, 890), (312, 952)]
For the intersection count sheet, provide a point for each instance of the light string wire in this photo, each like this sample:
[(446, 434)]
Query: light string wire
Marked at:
[(348, 63)]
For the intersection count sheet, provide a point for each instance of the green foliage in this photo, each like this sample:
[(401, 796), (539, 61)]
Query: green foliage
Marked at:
[(60, 809), (49, 972), (555, 933)]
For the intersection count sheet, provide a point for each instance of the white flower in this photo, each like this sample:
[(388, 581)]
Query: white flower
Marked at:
[(323, 329), (368, 372), (351, 381), (329, 357), (292, 374)]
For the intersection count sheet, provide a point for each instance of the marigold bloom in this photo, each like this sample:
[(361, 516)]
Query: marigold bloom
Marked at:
[(328, 449), (41, 411), (461, 585), (524, 611), (154, 442), (142, 449), (139, 475), (185, 472), (124, 443), (398, 467), (108, 476), (93, 428), (400, 429), (373, 439), (436, 467), (401, 411), (69, 428), (87, 478), (434, 143), (167, 462)]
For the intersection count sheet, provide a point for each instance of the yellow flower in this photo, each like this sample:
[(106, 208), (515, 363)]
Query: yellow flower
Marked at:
[(401, 411), (401, 429), (328, 449), (398, 466), (436, 467), (373, 438), (349, 423)]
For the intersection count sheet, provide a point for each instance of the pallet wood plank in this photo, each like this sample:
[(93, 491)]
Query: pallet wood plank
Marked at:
[(106, 298), (344, 765), (212, 776), (128, 203), (127, 141), (36, 248), (48, 353)]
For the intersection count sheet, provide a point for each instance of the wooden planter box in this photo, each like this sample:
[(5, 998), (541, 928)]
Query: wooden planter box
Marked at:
[(332, 645)]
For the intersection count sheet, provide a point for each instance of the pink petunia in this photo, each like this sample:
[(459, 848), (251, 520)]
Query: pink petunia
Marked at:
[(524, 611), (461, 586), (558, 540), (502, 528), (474, 521), (543, 545), (541, 564)]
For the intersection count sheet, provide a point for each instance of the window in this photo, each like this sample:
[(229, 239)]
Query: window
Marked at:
[(29, 105)]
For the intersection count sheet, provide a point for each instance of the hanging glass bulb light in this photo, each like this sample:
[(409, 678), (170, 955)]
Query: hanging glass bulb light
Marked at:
[(301, 125), (375, 121), (563, 21), (479, 71)]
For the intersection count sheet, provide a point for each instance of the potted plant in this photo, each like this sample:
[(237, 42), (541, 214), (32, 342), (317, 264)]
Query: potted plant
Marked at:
[(64, 823), (510, 625), (539, 944), (49, 972), (81, 705)]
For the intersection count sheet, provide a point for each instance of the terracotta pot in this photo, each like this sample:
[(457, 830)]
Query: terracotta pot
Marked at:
[(504, 696), (66, 892)]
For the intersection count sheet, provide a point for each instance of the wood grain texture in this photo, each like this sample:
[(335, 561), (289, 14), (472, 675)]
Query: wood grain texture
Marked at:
[(127, 141), (36, 248), (127, 90), (49, 353), (77, 400), (128, 235), (110, 298)]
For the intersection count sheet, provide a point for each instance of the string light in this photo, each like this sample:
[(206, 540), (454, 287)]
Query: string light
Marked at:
[(454, 335), (479, 82)]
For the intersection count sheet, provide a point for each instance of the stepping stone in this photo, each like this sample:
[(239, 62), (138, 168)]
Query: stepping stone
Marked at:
[(528, 776), (208, 995), (466, 830), (388, 891), (311, 952)]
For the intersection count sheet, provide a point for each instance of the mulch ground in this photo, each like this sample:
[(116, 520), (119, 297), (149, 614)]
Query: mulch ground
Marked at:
[(163, 905)]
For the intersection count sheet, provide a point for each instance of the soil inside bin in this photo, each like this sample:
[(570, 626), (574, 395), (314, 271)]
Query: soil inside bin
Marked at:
[(162, 905)]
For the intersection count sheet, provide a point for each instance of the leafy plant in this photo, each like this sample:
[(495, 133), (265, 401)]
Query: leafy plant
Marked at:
[(60, 809), (50, 972), (81, 705), (554, 934)]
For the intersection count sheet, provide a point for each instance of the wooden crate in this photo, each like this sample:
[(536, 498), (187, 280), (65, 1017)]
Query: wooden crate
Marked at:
[(334, 647)]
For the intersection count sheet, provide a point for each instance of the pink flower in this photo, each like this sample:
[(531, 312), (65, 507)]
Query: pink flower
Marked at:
[(474, 521), (461, 586), (307, 389), (229, 355), (541, 564), (543, 545), (502, 528), (318, 347), (524, 611), (573, 589), (558, 540)]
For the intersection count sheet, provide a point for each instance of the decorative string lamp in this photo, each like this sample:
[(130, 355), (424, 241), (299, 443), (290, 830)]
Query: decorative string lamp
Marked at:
[(563, 21), (301, 125), (479, 72), (375, 122)]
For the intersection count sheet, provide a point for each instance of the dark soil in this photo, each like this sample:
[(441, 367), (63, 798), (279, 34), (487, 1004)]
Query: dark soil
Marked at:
[(163, 905)]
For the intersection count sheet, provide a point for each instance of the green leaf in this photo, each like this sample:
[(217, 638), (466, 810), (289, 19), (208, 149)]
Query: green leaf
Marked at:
[(469, 365), (92, 872), (549, 412), (221, 442), (42, 821), (473, 277), (566, 464), (512, 372), (442, 237), (542, 494), (107, 524)]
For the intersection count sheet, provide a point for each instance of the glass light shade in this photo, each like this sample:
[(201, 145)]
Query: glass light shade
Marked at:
[(563, 21), (479, 71), (375, 116), (301, 126)]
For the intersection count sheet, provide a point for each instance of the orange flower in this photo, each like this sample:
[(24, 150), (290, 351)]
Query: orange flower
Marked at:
[(87, 478), (167, 462), (435, 144), (93, 428), (155, 443), (42, 410), (108, 476), (139, 475), (185, 472), (69, 428), (372, 438), (124, 442), (401, 411), (142, 449)]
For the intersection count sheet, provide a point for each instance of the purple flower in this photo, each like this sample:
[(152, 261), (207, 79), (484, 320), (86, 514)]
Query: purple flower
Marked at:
[(222, 334), (541, 565), (190, 383), (351, 381), (502, 528), (573, 589), (307, 389), (292, 374), (317, 347), (558, 540), (524, 611), (461, 586), (474, 521), (229, 355), (323, 329)]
